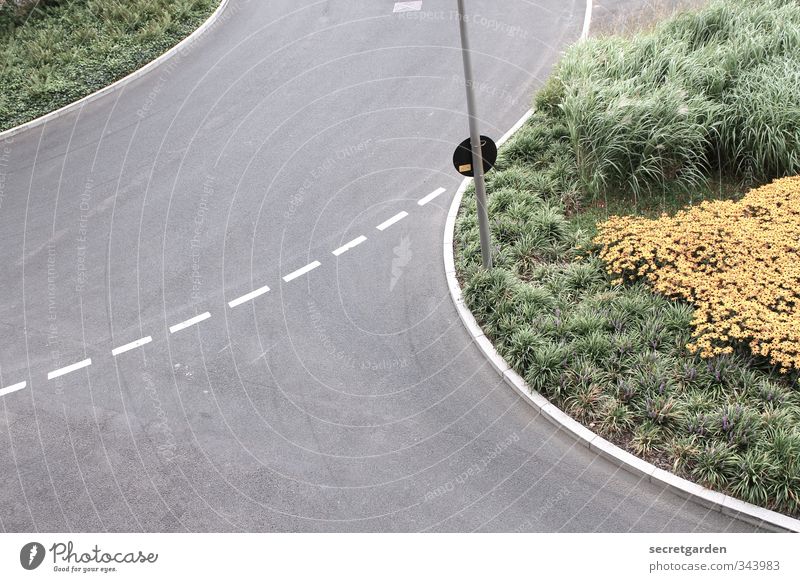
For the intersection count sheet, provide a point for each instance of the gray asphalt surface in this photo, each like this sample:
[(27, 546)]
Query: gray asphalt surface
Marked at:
[(349, 398)]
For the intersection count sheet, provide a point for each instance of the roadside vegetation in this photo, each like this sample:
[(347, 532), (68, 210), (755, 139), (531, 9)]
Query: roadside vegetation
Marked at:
[(735, 262), (53, 52), (671, 330)]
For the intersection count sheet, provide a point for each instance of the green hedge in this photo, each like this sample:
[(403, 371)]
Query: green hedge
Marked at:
[(56, 52)]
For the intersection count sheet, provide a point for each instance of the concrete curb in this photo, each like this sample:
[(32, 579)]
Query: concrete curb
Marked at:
[(181, 46), (706, 497)]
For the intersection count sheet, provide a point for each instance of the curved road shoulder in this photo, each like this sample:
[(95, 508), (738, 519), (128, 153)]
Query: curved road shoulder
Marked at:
[(710, 499), (181, 47)]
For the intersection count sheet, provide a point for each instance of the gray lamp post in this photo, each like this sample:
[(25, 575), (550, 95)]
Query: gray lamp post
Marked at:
[(475, 141)]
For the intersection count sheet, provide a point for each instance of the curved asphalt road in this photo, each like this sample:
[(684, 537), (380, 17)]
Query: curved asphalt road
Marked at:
[(349, 398)]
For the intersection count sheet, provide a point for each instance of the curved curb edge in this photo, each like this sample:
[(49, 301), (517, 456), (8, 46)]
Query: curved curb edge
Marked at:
[(713, 500), (182, 45)]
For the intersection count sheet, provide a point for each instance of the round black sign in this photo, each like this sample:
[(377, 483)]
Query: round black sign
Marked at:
[(462, 158)]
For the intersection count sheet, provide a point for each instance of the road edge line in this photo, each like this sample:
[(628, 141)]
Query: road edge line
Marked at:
[(587, 19), (684, 488), (69, 107)]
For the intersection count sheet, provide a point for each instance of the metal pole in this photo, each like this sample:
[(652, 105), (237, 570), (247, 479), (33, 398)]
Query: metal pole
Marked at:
[(475, 142)]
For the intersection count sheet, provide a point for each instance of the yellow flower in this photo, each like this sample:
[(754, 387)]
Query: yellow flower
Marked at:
[(736, 262)]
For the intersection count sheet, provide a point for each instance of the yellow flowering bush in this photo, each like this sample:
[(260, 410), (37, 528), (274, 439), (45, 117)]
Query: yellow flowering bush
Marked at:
[(738, 263)]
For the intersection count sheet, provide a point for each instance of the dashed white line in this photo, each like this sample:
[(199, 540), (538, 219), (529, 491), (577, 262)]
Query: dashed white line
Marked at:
[(189, 322), (302, 271), (407, 6), (346, 247), (13, 388), (396, 218), (131, 346), (68, 369), (431, 196), (248, 296)]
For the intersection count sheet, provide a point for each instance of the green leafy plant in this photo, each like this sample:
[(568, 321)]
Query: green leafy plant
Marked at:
[(55, 52), (647, 438), (714, 465), (696, 108)]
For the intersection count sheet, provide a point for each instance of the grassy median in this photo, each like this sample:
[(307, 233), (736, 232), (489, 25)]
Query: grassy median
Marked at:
[(57, 51), (704, 107)]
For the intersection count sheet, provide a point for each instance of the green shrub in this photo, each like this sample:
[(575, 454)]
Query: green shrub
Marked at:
[(640, 142), (546, 365), (714, 465), (760, 133), (655, 112), (647, 438), (587, 402), (550, 97), (584, 276), (531, 301), (756, 470), (64, 50), (595, 345), (616, 418), (580, 323)]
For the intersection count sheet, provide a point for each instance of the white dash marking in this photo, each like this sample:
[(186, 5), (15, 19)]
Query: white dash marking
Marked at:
[(302, 271), (396, 218), (352, 244), (131, 346), (68, 369), (189, 322), (431, 196), (248, 296), (13, 388), (407, 6)]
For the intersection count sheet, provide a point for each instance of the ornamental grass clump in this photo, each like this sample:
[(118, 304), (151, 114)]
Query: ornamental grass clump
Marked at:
[(710, 92), (735, 262), (53, 52)]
